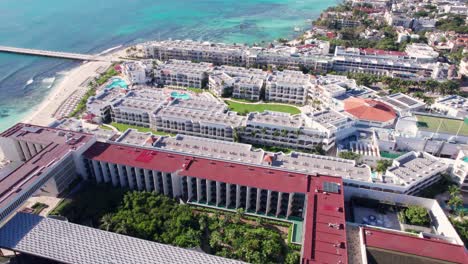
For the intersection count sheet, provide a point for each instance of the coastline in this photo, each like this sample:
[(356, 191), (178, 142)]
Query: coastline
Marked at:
[(69, 84)]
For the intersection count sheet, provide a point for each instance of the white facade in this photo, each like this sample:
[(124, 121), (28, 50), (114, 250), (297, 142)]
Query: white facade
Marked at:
[(288, 87), (452, 105)]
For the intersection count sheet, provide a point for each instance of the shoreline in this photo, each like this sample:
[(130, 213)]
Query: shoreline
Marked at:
[(67, 85)]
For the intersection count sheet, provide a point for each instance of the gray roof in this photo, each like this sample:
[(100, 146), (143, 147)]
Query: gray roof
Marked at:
[(72, 243)]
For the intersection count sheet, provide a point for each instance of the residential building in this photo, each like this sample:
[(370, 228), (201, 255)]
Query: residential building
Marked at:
[(241, 82), (421, 52), (415, 171), (459, 170), (235, 55), (180, 73), (288, 87), (217, 125), (463, 68), (285, 130), (388, 63), (403, 104), (137, 72), (452, 105)]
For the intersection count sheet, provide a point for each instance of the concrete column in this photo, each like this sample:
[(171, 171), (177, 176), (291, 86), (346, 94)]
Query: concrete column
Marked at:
[(139, 179), (114, 174), (121, 171), (156, 181), (247, 198), (238, 196), (164, 179), (148, 175), (208, 191), (228, 194), (199, 190), (97, 171), (190, 193), (176, 185), (290, 199), (218, 193), (268, 204), (105, 174), (131, 184), (257, 206), (278, 204)]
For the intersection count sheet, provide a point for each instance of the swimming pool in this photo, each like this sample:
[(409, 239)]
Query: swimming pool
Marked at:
[(178, 95), (117, 82)]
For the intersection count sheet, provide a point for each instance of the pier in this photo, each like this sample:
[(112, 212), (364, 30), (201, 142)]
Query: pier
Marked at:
[(54, 54)]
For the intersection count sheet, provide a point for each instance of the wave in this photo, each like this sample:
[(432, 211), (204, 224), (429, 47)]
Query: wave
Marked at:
[(109, 50), (30, 81), (48, 80)]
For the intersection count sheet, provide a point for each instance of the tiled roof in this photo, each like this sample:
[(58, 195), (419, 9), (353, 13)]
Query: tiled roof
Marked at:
[(370, 110)]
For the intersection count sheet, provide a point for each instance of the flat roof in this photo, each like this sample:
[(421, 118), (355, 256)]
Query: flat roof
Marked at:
[(55, 147), (425, 247), (71, 243), (324, 229)]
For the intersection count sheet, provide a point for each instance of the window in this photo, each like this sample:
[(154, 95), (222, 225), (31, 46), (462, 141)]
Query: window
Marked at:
[(331, 187)]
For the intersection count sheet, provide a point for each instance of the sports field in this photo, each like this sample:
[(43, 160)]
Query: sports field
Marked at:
[(447, 125)]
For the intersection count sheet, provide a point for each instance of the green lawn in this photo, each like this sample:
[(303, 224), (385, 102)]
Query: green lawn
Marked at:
[(123, 127), (447, 125), (244, 109)]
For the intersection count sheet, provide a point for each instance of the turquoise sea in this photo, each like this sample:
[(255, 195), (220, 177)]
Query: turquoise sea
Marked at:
[(91, 26)]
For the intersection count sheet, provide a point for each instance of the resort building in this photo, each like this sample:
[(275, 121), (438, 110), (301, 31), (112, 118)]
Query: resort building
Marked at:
[(332, 90), (49, 160), (241, 82), (415, 171), (336, 124), (288, 87), (377, 235), (460, 170), (216, 53), (403, 104), (305, 187), (421, 52), (220, 84), (235, 55), (180, 73), (137, 72), (217, 125), (284, 130), (386, 63), (452, 105)]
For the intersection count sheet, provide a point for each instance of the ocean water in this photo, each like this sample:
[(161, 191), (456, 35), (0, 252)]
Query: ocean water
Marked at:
[(91, 26)]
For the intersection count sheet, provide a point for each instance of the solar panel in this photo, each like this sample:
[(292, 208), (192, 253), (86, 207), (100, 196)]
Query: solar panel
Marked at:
[(331, 187), (407, 101)]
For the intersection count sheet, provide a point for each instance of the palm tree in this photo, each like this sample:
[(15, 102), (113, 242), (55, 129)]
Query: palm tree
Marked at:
[(106, 221), (454, 190), (122, 228), (240, 212)]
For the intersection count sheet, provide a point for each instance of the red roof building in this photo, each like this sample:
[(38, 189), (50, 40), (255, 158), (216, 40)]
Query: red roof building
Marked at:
[(324, 237), (370, 112), (396, 243)]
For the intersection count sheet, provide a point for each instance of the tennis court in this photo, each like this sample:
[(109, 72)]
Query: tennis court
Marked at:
[(442, 125)]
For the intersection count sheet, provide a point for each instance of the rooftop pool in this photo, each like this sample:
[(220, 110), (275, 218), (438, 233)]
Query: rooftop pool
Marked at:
[(117, 83), (178, 95)]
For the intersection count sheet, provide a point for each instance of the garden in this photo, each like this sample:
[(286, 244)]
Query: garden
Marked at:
[(161, 219), (246, 108)]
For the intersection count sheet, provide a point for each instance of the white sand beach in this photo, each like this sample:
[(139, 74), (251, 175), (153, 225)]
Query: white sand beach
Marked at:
[(64, 89)]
